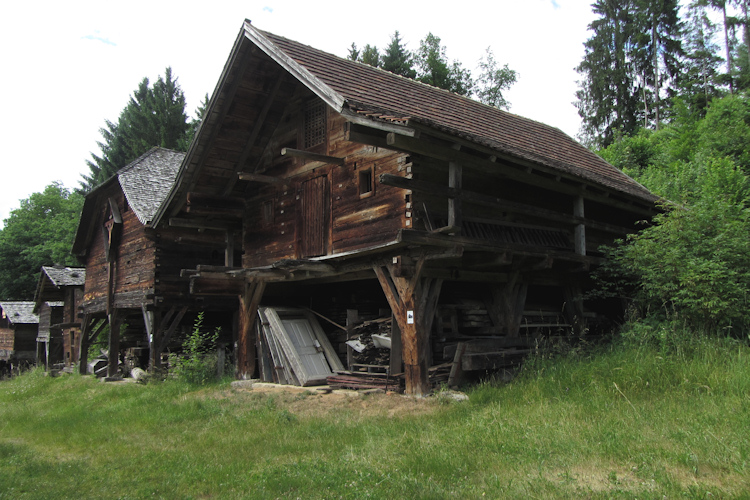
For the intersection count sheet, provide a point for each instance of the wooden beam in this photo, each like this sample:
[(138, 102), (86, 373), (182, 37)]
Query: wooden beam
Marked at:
[(201, 223), (219, 206), (215, 123), (246, 348), (579, 233), (411, 300), (495, 202), (250, 144), (266, 179), (113, 361), (307, 155), (516, 168), (363, 121), (454, 203)]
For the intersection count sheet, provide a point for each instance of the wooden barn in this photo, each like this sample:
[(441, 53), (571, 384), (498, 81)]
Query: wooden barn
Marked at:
[(58, 297), (18, 332), (362, 192), (133, 267)]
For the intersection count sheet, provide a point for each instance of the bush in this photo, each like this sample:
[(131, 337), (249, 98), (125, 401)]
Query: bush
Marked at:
[(198, 362), (693, 266)]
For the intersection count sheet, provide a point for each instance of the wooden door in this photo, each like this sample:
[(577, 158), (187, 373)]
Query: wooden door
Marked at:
[(313, 239)]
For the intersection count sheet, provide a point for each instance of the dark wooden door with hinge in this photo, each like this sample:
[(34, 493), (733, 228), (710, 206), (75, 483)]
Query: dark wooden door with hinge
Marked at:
[(314, 217)]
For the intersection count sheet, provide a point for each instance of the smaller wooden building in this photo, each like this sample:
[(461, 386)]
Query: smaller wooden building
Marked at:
[(58, 296), (18, 332), (133, 267)]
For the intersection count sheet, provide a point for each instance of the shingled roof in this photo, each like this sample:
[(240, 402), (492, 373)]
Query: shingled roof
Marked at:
[(147, 181), (19, 312), (376, 92), (65, 276)]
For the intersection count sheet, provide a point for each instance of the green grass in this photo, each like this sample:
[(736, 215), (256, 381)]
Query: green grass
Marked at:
[(624, 423)]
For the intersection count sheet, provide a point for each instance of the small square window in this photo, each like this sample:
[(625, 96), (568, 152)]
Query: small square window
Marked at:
[(366, 187)]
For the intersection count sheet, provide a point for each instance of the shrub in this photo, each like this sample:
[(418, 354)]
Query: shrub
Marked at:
[(198, 362)]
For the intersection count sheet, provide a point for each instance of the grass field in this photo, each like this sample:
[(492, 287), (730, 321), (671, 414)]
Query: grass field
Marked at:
[(625, 422)]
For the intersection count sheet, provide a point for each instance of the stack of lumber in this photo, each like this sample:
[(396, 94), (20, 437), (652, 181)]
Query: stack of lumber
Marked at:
[(364, 380), (371, 354)]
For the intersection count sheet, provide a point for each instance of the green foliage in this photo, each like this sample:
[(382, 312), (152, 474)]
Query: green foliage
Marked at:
[(430, 65), (726, 130), (493, 81), (370, 55), (434, 69), (154, 116), (198, 362), (397, 59), (693, 264), (40, 232)]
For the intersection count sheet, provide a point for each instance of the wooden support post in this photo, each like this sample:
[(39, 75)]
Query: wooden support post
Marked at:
[(113, 363), (454, 203), (579, 233), (245, 349), (229, 250), (413, 302), (574, 306), (162, 334), (506, 309), (396, 362)]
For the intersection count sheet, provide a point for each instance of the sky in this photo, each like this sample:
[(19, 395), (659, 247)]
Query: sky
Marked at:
[(69, 66)]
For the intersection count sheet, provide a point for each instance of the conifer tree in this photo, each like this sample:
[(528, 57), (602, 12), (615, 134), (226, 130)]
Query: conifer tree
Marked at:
[(154, 116), (397, 59)]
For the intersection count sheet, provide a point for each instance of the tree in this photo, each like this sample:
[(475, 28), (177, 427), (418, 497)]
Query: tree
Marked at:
[(370, 55), (39, 232), (397, 59), (606, 100), (434, 69), (353, 54), (154, 116), (725, 131), (657, 52), (195, 123), (493, 81), (701, 78)]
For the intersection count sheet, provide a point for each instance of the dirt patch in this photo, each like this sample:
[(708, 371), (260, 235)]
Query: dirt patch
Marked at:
[(602, 479), (308, 402)]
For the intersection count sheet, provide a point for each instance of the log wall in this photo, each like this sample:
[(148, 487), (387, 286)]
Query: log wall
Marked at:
[(355, 220), (134, 259)]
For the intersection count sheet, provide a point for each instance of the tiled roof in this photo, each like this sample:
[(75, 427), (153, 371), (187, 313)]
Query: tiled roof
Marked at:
[(147, 180), (19, 312), (367, 89), (65, 276)]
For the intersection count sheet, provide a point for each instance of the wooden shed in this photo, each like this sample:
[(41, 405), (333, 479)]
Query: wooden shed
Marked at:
[(59, 294), (133, 267), (362, 189), (18, 332)]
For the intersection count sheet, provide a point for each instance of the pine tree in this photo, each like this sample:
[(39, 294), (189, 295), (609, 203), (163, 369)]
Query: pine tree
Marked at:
[(370, 55), (658, 54), (434, 69), (607, 103), (701, 76), (154, 116), (397, 59)]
